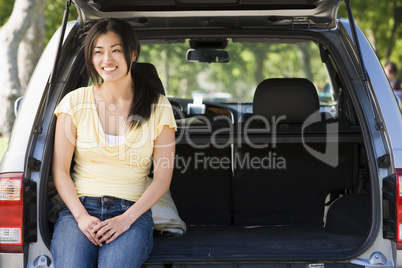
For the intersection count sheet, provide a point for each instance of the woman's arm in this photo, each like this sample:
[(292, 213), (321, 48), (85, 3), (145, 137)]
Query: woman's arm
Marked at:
[(64, 145), (164, 152)]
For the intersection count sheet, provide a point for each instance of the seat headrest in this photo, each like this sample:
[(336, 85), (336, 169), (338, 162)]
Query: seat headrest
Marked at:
[(295, 98), (149, 72)]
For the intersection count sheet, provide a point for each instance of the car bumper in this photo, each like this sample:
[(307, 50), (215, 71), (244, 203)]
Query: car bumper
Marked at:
[(15, 260)]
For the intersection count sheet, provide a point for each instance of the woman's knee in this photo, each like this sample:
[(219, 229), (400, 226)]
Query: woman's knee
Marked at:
[(69, 246), (131, 248)]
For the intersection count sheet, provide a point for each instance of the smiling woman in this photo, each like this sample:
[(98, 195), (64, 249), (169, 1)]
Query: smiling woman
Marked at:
[(108, 208)]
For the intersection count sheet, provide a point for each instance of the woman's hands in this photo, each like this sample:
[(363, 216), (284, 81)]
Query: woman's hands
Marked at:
[(108, 230), (86, 223)]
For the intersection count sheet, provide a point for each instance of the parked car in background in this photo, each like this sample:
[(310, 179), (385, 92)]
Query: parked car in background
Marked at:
[(268, 173)]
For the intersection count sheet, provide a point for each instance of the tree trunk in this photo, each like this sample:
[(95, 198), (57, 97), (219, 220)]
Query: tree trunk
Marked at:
[(31, 46), (395, 27), (305, 59), (11, 35), (260, 55)]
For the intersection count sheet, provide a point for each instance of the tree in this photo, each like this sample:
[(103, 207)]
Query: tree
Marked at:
[(28, 26), (12, 34), (381, 22)]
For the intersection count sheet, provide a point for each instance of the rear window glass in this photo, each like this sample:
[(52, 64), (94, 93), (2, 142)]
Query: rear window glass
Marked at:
[(235, 81)]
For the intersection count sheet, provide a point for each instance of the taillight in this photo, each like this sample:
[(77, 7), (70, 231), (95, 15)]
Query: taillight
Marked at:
[(11, 212)]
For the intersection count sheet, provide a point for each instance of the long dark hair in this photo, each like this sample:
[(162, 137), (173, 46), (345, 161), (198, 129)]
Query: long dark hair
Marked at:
[(145, 97)]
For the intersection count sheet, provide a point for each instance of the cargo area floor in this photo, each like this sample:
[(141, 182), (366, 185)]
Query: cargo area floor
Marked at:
[(228, 243)]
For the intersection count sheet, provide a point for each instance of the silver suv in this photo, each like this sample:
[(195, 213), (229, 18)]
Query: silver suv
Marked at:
[(288, 149)]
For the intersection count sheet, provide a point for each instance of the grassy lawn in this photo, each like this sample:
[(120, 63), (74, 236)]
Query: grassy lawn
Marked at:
[(3, 146)]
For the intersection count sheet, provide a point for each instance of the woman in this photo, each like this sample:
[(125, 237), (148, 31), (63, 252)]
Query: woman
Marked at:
[(115, 129)]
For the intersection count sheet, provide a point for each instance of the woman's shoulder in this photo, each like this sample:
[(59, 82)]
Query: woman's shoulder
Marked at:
[(83, 90), (162, 103), (162, 99), (80, 94)]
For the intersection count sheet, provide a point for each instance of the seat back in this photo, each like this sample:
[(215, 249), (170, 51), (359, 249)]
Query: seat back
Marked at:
[(294, 98), (283, 183), (149, 72)]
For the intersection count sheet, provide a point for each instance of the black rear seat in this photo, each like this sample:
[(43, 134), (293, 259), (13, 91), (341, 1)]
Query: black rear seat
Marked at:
[(202, 193), (290, 190), (291, 185)]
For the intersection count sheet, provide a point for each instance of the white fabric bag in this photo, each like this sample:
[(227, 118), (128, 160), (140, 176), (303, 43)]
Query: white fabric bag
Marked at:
[(166, 217)]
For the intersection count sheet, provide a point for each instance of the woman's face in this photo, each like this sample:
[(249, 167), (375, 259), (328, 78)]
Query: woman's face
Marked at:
[(108, 58)]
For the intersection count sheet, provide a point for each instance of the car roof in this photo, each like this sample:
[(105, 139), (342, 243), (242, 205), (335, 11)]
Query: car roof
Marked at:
[(159, 14)]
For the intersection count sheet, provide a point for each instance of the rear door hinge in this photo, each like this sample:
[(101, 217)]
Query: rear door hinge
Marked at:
[(378, 125), (34, 164), (301, 22), (38, 129), (384, 161)]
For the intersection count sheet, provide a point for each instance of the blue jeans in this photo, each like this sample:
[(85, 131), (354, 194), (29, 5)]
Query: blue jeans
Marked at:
[(71, 248)]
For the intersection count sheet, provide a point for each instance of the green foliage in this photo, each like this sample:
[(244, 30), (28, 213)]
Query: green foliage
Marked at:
[(54, 15), (6, 7), (381, 21), (377, 19), (250, 63)]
